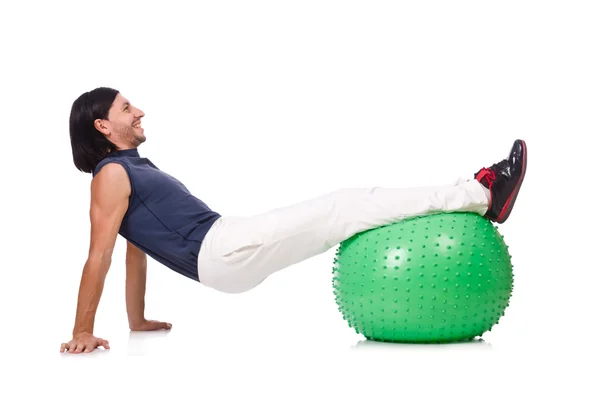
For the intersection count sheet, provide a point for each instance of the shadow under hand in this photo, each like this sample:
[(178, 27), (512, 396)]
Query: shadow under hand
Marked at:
[(94, 354), (140, 342)]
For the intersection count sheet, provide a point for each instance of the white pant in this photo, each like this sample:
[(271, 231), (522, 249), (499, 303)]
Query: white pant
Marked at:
[(238, 253)]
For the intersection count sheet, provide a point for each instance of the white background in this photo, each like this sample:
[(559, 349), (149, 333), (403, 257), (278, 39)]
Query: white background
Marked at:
[(258, 104)]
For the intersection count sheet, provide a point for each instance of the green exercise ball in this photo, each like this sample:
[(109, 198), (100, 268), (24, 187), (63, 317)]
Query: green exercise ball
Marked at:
[(431, 279)]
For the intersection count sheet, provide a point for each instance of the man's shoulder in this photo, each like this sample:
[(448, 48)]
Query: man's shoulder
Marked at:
[(112, 178), (111, 172), (112, 169), (110, 162)]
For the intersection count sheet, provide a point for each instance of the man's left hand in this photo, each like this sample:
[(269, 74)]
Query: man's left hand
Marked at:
[(151, 325)]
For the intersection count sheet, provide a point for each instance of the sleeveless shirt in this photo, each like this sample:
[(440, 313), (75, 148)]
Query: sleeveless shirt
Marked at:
[(163, 219)]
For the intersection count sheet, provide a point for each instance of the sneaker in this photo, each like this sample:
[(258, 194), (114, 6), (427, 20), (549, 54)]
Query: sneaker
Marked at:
[(504, 180)]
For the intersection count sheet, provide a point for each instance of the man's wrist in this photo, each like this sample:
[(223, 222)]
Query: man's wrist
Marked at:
[(78, 332)]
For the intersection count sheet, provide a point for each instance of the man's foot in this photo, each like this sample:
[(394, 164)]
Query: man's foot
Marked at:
[(504, 180)]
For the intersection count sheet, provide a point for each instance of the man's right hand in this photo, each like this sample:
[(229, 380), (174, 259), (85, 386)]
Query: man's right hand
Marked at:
[(83, 342)]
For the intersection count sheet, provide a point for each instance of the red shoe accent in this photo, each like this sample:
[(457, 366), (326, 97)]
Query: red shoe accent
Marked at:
[(486, 177)]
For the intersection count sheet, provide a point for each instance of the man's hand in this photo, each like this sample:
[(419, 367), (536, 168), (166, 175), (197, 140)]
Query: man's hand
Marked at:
[(83, 342), (151, 325)]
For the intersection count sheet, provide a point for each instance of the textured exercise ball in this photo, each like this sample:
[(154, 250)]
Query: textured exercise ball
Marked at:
[(436, 278)]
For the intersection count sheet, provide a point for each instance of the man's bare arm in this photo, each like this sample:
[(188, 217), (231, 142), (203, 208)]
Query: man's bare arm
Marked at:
[(137, 265), (110, 191), (135, 290)]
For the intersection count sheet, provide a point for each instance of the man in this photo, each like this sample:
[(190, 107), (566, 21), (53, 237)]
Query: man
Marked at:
[(159, 217)]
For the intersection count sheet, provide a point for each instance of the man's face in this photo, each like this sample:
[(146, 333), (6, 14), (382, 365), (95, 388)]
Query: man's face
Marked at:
[(124, 126)]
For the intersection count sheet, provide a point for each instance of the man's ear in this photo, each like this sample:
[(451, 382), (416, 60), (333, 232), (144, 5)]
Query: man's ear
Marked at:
[(101, 126)]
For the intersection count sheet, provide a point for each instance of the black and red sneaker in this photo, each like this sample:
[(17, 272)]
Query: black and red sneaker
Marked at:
[(504, 180)]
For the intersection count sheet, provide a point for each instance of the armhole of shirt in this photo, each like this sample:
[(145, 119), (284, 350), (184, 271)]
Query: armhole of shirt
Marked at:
[(131, 183)]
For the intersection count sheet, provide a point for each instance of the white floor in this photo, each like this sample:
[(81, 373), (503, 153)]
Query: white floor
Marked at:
[(287, 337), (259, 104)]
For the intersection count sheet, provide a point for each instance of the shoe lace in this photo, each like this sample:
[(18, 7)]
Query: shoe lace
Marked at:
[(490, 176), (490, 172), (486, 176)]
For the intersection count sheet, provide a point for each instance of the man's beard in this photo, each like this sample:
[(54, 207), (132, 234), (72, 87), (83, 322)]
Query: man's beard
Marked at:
[(129, 134)]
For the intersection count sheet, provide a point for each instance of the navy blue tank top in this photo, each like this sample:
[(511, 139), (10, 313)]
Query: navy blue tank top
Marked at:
[(164, 219)]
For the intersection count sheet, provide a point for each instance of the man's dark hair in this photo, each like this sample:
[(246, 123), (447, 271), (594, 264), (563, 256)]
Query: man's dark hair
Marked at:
[(88, 144)]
